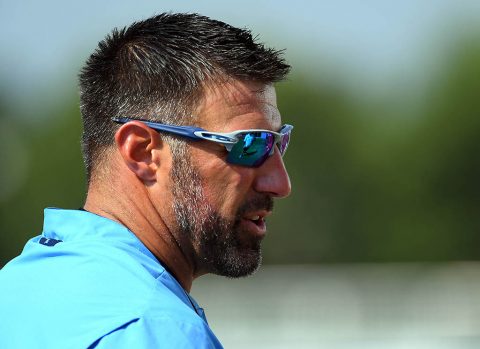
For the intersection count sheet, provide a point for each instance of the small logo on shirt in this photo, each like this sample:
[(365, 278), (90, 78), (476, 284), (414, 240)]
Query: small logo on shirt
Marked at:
[(49, 242)]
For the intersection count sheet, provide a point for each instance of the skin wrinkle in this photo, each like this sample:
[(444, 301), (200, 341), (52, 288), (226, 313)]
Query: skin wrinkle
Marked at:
[(131, 211), (242, 100), (150, 242)]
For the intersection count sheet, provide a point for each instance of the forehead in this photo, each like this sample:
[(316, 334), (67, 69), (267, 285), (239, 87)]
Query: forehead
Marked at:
[(239, 105)]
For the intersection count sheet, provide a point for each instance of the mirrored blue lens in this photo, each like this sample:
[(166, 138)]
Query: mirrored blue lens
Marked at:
[(252, 149)]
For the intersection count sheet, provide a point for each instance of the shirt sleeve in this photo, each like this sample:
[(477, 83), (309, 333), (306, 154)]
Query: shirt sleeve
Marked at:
[(159, 333)]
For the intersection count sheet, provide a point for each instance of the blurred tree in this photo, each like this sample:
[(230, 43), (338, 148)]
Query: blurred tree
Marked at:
[(369, 188), (368, 184), (55, 175)]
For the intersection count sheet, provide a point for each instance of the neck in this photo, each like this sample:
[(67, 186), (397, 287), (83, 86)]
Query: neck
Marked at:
[(147, 224)]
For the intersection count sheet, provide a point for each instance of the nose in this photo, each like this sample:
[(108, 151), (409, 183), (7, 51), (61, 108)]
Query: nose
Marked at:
[(273, 178)]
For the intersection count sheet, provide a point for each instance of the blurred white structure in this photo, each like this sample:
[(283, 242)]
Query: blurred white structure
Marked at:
[(408, 306)]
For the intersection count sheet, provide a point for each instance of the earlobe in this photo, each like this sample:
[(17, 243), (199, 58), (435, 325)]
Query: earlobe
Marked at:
[(136, 143)]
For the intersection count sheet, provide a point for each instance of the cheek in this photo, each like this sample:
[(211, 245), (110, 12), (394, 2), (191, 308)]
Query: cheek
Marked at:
[(227, 188)]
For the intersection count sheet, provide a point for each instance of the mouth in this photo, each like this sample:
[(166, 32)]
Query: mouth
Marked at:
[(255, 222)]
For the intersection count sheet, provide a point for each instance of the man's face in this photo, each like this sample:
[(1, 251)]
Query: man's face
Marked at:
[(220, 206)]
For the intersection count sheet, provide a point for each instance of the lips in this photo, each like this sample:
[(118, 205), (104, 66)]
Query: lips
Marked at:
[(255, 222), (252, 215)]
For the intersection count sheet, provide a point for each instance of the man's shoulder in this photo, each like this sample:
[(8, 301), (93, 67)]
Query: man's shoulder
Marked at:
[(81, 268), (86, 290), (95, 270)]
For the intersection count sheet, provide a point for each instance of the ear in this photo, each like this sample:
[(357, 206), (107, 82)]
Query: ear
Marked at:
[(136, 143)]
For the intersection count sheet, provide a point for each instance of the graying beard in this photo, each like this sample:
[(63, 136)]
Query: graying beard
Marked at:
[(197, 219)]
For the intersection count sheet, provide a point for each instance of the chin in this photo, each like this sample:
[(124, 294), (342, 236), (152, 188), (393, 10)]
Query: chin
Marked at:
[(238, 263)]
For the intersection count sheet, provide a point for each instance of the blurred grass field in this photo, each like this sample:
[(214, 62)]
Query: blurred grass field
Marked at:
[(348, 306)]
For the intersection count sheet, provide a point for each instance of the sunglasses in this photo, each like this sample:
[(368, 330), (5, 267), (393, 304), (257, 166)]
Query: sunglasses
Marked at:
[(249, 148)]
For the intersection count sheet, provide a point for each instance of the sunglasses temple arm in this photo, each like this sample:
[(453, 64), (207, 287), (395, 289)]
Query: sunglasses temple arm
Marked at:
[(184, 131)]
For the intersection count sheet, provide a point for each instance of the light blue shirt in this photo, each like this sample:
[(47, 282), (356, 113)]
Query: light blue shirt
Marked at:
[(88, 282)]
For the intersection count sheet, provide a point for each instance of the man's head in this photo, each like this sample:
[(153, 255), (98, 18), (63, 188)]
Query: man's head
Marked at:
[(185, 69)]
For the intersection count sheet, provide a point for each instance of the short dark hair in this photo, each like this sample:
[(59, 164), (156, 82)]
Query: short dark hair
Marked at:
[(157, 69)]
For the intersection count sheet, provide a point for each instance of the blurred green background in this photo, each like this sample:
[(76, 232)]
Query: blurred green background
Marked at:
[(384, 160)]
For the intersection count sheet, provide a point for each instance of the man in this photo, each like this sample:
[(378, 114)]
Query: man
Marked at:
[(167, 201)]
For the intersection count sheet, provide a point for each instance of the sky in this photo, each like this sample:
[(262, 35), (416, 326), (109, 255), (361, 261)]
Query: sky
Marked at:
[(46, 42)]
